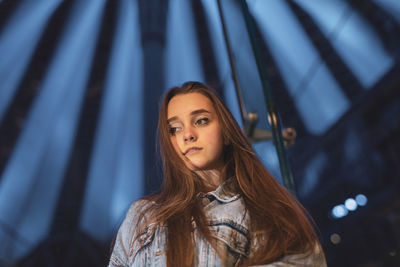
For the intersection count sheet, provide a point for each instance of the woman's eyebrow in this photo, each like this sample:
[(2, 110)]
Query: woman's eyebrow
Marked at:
[(194, 112), (198, 111), (174, 118)]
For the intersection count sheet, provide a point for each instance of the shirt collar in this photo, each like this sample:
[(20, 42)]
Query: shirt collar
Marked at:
[(224, 192)]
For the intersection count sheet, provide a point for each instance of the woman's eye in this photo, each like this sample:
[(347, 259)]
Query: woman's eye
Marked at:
[(173, 130), (202, 121)]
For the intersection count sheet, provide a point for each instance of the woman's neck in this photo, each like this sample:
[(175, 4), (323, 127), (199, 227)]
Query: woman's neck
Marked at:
[(212, 178)]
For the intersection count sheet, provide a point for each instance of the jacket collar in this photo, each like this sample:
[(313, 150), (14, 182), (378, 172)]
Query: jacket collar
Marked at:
[(224, 193)]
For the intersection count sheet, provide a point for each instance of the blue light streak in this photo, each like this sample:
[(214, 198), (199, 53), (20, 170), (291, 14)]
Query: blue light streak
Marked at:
[(183, 62), (115, 175), (17, 44), (31, 180), (321, 101)]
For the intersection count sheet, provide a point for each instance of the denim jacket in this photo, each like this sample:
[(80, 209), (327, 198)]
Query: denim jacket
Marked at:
[(228, 223)]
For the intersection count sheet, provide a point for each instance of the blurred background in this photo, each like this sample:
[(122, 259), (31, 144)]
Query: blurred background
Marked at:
[(81, 83)]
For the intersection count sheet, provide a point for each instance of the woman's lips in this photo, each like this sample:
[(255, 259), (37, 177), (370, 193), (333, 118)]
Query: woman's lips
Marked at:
[(192, 150)]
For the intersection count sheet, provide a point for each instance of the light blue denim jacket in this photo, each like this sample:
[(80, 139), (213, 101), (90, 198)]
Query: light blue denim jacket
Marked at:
[(229, 224)]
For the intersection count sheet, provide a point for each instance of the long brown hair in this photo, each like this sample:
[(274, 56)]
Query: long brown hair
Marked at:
[(278, 224)]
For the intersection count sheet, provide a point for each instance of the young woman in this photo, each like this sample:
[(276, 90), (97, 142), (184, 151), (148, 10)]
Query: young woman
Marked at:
[(218, 205)]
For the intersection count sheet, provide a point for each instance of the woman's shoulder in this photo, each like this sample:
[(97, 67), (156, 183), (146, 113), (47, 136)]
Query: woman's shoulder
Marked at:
[(135, 220), (125, 245), (140, 205), (137, 209)]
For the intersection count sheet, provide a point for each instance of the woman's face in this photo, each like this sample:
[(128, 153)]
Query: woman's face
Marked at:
[(195, 131)]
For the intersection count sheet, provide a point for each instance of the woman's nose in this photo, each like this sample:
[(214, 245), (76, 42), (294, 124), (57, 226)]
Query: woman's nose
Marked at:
[(189, 135)]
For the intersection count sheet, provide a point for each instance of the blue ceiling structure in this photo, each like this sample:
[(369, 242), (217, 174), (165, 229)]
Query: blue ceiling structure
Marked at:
[(80, 87)]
